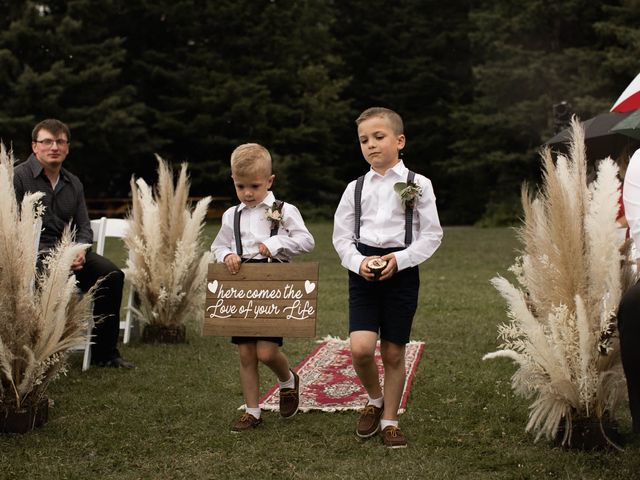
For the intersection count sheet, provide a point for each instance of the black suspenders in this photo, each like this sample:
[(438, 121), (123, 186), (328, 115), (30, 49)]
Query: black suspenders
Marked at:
[(236, 228), (236, 231), (408, 213), (408, 217), (358, 207)]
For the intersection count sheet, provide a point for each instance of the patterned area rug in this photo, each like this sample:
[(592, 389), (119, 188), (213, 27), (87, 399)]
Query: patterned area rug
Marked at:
[(329, 382)]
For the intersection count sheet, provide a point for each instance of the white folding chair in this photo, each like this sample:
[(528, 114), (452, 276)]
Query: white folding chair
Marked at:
[(36, 236), (118, 228), (104, 228), (36, 240), (98, 227)]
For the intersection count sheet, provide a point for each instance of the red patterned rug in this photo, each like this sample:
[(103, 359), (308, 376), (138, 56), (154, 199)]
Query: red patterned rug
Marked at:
[(329, 382)]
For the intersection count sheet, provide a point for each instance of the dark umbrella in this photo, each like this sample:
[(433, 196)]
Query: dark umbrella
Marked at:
[(600, 141), (629, 126)]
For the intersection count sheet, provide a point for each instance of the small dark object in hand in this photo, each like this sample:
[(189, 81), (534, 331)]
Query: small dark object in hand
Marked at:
[(376, 265)]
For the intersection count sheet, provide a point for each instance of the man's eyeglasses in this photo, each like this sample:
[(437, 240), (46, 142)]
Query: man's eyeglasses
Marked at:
[(48, 142)]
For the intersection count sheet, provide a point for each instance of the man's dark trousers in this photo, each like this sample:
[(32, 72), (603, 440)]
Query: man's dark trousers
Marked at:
[(106, 306)]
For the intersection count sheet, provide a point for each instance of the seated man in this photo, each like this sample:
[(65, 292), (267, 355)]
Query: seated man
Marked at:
[(65, 204)]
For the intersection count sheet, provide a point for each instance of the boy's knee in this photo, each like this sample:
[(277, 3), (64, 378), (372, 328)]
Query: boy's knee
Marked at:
[(248, 362), (265, 357), (392, 354), (267, 354), (248, 359), (361, 354), (393, 360)]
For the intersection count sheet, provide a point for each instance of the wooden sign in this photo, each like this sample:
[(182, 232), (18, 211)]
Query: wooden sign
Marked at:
[(262, 299)]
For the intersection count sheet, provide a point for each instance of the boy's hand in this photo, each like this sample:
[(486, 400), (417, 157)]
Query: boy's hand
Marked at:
[(364, 270), (391, 268), (263, 250), (233, 262)]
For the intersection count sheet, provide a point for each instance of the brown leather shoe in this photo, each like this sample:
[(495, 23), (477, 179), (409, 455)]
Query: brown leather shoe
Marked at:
[(246, 422), (392, 437), (290, 398), (369, 421)]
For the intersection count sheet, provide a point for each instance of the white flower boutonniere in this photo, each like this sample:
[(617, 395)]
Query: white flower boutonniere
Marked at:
[(408, 192), (274, 214)]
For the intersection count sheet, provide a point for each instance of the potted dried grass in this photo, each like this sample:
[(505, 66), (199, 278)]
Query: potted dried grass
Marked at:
[(41, 315), (167, 265), (570, 278)]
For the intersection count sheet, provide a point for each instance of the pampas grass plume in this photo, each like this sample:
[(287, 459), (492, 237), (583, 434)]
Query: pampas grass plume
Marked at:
[(41, 314), (167, 264), (571, 275)]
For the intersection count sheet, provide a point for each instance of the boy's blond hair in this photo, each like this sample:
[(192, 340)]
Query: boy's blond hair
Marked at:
[(251, 159), (392, 117)]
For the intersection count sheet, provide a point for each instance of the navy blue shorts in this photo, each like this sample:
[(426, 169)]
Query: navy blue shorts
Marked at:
[(238, 340), (385, 307)]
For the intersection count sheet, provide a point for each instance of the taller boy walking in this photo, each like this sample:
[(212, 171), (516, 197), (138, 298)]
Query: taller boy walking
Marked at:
[(388, 214)]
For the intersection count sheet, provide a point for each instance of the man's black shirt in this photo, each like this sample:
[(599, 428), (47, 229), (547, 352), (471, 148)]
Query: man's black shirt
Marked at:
[(63, 206)]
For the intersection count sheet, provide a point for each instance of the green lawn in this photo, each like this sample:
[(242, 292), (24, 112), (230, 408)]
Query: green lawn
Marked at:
[(169, 418)]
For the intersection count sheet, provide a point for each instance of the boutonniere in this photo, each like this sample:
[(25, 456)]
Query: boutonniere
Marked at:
[(274, 214), (408, 192)]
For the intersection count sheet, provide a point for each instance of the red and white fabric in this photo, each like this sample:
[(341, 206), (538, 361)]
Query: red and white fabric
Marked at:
[(630, 98)]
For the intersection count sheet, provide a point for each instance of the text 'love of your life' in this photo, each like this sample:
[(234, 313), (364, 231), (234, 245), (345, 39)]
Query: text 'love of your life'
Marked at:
[(297, 310), (262, 299)]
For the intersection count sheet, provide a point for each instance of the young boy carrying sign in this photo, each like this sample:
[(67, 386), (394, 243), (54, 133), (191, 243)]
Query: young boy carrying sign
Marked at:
[(260, 229)]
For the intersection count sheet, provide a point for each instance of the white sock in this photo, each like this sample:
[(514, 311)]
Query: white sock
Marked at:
[(253, 411), (388, 423), (291, 383), (376, 402)]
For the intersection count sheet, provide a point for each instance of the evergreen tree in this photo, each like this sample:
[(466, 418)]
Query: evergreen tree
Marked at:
[(619, 30), (527, 57), (64, 63), (217, 75), (191, 79), (413, 57)]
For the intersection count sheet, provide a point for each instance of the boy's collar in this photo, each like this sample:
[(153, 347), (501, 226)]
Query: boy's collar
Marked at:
[(267, 201), (398, 169)]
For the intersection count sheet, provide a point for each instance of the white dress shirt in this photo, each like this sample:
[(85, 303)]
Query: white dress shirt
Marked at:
[(383, 220), (631, 199), (293, 238)]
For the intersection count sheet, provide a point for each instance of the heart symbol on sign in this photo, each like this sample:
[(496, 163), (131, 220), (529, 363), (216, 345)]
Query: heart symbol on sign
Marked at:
[(213, 286), (309, 286)]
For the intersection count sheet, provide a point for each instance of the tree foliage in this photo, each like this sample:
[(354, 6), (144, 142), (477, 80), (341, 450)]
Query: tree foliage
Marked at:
[(191, 79), (527, 56)]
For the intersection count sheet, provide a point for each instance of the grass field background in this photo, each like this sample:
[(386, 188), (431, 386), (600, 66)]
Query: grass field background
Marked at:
[(169, 418)]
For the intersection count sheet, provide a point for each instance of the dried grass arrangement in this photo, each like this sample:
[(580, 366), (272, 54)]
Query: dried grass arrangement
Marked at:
[(571, 275), (167, 262), (41, 314)]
